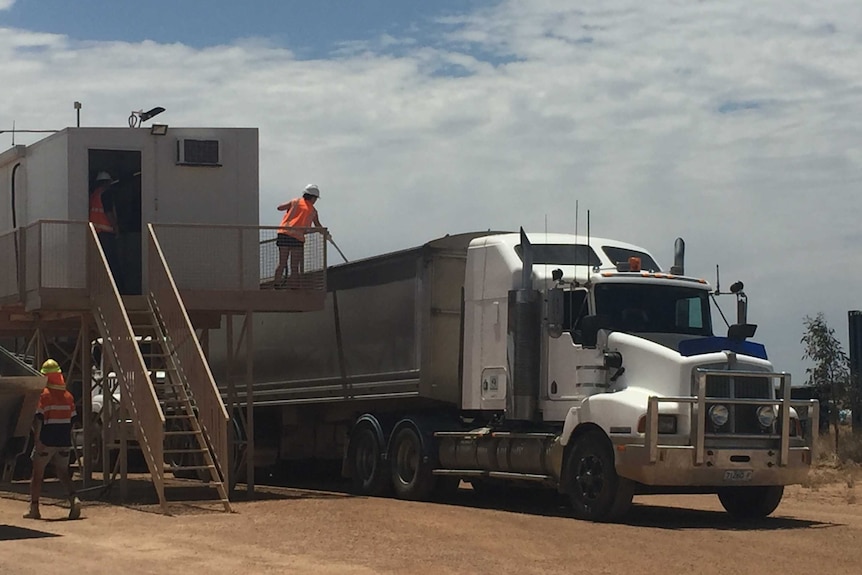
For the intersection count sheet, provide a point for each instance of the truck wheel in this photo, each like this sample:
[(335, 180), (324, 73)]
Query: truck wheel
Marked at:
[(411, 474), (595, 490), (178, 461), (368, 472), (751, 502)]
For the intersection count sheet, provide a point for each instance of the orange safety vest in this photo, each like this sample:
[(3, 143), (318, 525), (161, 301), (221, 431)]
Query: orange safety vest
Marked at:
[(97, 212), (56, 409), (300, 214)]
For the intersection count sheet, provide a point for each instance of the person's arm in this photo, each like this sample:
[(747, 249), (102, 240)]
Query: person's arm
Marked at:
[(285, 206), (110, 208), (319, 225), (74, 416), (112, 217), (37, 432)]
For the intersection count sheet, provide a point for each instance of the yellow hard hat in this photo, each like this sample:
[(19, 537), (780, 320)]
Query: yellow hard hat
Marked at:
[(50, 366)]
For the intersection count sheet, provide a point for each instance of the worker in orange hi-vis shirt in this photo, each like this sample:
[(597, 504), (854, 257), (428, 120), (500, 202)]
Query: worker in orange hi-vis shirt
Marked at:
[(52, 429)]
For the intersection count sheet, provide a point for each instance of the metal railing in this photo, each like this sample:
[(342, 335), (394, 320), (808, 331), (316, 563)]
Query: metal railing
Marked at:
[(698, 414), (54, 254), (182, 341), (119, 342), (225, 257), (50, 254)]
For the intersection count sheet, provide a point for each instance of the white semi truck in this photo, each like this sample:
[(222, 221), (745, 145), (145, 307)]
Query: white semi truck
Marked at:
[(553, 360)]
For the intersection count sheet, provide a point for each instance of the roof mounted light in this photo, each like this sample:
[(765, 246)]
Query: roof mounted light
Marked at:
[(632, 265), (137, 117)]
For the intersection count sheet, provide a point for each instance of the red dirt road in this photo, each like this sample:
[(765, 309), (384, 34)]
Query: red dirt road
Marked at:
[(816, 529)]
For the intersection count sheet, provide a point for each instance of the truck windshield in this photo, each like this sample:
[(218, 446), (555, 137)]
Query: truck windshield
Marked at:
[(658, 308)]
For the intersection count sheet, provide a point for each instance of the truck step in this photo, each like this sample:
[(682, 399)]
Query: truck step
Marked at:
[(493, 474), (501, 434), (521, 476), (461, 472)]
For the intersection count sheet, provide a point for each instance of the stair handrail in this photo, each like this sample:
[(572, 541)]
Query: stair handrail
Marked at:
[(183, 342), (118, 339)]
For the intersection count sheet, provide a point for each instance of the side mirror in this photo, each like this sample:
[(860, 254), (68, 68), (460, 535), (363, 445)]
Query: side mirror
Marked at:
[(556, 312), (741, 331), (590, 326)]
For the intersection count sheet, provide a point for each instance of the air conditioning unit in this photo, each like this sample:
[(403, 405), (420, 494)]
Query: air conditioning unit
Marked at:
[(192, 152)]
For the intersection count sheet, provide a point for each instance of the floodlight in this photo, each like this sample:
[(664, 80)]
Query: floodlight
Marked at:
[(151, 113), (159, 129)]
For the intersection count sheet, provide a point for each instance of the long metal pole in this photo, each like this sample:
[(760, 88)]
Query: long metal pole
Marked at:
[(87, 397), (231, 389), (339, 250), (249, 402)]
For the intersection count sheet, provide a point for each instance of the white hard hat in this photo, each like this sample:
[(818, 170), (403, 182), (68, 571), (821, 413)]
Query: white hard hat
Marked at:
[(104, 176), (312, 190)]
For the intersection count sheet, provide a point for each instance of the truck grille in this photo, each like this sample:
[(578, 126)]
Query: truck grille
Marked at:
[(743, 418)]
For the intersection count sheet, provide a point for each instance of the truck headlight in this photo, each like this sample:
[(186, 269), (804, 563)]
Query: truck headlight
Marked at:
[(719, 414), (666, 424), (766, 416)]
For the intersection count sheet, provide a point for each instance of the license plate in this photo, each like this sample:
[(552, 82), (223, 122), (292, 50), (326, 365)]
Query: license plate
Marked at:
[(738, 475)]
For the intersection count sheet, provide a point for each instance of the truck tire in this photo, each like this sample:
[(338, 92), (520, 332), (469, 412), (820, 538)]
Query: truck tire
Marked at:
[(595, 490), (411, 472), (95, 446), (751, 502), (368, 472)]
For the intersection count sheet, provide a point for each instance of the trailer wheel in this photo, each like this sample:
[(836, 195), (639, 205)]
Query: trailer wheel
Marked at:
[(180, 462), (751, 502), (595, 490), (411, 473), (368, 472)]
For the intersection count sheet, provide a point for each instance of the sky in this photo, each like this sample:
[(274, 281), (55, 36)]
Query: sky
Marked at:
[(735, 125)]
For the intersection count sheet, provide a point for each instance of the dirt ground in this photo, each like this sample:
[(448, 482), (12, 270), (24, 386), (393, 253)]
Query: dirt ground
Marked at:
[(817, 528)]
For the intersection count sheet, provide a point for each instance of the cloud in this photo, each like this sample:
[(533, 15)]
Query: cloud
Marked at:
[(733, 125), (6, 4)]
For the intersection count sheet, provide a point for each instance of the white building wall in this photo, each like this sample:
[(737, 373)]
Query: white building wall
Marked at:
[(54, 178), (42, 192)]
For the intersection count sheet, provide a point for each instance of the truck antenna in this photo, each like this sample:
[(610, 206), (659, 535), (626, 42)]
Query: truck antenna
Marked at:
[(589, 248), (546, 241), (575, 248)]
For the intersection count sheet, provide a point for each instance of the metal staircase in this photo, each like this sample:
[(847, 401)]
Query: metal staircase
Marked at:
[(187, 447), (174, 406)]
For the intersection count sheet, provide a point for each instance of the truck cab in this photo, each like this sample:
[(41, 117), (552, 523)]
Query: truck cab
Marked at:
[(616, 361)]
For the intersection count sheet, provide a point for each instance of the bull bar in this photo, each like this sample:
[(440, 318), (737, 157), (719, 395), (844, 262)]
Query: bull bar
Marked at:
[(661, 464)]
